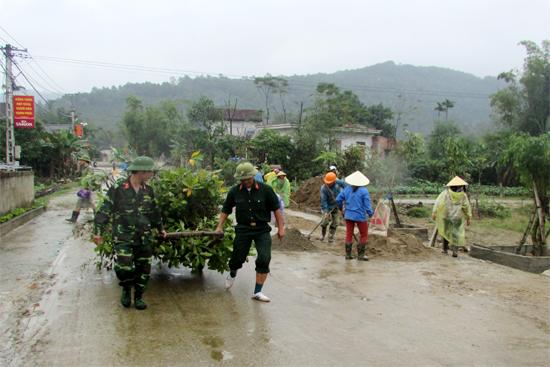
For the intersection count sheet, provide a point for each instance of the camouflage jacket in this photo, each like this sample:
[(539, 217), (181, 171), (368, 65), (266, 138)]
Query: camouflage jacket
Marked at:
[(131, 214)]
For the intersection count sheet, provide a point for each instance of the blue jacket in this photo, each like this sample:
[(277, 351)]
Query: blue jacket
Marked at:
[(357, 202), (259, 177), (328, 201)]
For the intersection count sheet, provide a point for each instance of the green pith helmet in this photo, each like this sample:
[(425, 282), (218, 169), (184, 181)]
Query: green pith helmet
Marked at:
[(84, 157), (244, 171), (142, 163)]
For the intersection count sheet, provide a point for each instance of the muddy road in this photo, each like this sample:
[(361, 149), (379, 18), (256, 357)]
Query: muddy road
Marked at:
[(57, 309)]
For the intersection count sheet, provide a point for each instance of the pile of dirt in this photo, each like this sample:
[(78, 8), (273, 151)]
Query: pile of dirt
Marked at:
[(398, 246), (294, 241), (308, 195)]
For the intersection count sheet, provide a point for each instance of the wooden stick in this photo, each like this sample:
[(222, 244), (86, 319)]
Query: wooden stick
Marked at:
[(433, 238), (176, 235), (540, 215), (527, 231), (394, 209)]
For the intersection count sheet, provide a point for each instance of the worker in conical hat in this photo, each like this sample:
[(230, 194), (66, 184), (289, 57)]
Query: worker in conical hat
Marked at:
[(451, 212), (356, 205)]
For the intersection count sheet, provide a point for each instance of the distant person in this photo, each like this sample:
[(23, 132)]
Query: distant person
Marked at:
[(451, 211), (84, 202), (254, 203), (84, 164), (355, 202), (281, 186), (270, 176), (132, 211), (259, 176), (333, 169), (330, 190)]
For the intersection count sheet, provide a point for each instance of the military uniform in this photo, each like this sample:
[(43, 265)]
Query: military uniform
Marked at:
[(253, 213), (133, 215)]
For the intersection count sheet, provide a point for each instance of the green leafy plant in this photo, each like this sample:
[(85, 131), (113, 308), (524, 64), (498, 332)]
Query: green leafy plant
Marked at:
[(189, 201)]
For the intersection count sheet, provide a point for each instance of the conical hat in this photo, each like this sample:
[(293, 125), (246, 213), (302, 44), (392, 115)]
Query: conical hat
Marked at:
[(457, 181), (357, 179)]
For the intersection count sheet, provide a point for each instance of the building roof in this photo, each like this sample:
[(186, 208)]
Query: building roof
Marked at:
[(51, 128), (353, 129), (242, 115), (357, 129)]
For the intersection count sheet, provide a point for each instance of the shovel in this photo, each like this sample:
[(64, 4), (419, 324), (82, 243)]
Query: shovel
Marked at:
[(314, 228)]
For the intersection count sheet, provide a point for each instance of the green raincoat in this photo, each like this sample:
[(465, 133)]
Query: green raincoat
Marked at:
[(282, 187), (452, 210)]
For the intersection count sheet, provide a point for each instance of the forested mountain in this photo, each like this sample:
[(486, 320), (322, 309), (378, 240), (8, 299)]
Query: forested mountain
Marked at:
[(411, 91)]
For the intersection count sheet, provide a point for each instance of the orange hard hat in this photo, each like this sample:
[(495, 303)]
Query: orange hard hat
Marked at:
[(330, 178)]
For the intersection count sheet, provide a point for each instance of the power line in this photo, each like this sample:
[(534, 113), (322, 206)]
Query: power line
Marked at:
[(53, 82), (296, 85), (52, 88), (28, 81), (48, 76), (10, 36), (129, 67)]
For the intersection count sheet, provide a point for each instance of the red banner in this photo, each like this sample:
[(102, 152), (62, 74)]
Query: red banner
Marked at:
[(23, 112), (79, 130)]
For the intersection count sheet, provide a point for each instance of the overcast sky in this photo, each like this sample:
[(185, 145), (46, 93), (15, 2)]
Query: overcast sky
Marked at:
[(254, 37)]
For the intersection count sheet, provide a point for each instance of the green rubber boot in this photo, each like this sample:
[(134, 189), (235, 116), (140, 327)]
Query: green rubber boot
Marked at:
[(74, 217), (445, 248), (349, 256), (361, 253), (126, 298), (331, 235), (323, 233), (139, 303)]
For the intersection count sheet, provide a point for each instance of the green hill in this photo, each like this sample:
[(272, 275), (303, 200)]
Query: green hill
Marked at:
[(411, 90)]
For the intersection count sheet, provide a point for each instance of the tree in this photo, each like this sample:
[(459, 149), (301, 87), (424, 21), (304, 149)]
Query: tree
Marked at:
[(444, 106), (205, 116), (379, 117), (442, 131), (328, 158), (132, 122), (270, 146), (448, 105), (149, 129), (439, 108), (530, 156), (333, 108), (524, 105), (267, 85)]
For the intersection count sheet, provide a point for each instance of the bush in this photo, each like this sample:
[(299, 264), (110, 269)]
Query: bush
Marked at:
[(188, 200), (419, 212), (492, 209)]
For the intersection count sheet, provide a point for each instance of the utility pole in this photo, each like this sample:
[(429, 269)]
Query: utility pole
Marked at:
[(8, 94), (73, 119)]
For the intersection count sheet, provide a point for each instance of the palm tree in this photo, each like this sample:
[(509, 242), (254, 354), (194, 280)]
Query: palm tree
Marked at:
[(448, 104), (439, 108)]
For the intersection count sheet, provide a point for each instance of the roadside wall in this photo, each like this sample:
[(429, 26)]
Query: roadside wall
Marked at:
[(16, 190)]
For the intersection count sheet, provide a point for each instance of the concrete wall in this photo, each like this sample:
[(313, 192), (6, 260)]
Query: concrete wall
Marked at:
[(504, 255), (352, 138), (242, 128), (16, 190)]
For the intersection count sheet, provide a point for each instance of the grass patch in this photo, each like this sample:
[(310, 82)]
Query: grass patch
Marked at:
[(20, 211), (516, 221)]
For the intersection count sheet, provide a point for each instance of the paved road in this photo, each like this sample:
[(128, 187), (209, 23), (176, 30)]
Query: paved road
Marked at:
[(325, 311)]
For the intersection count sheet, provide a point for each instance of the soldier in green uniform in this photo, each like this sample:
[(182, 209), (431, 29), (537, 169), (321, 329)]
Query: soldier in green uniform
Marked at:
[(131, 209), (254, 202)]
